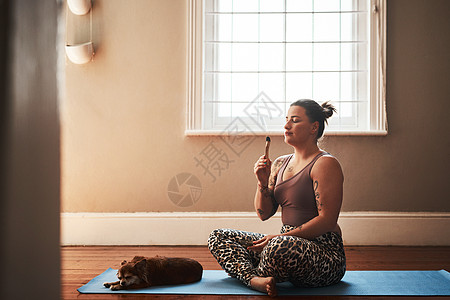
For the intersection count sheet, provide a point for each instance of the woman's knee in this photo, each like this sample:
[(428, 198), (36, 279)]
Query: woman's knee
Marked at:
[(215, 236), (277, 242), (278, 247)]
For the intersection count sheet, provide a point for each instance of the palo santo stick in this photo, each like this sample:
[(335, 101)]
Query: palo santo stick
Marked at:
[(267, 147)]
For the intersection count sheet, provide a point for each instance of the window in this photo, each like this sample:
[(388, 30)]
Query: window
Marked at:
[(248, 60)]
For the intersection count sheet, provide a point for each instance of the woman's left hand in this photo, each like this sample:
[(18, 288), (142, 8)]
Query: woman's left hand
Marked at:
[(259, 245)]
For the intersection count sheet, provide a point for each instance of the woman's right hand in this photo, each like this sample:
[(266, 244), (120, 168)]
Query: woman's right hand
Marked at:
[(262, 170)]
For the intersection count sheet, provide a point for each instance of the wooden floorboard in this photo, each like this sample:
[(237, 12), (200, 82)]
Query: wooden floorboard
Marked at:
[(81, 264)]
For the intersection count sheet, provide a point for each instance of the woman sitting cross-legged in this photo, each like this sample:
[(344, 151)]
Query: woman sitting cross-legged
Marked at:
[(308, 185)]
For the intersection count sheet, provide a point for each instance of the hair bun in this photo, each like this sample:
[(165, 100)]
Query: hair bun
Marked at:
[(328, 109)]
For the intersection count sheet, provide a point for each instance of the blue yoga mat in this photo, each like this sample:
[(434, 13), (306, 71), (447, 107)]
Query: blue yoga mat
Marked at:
[(354, 283)]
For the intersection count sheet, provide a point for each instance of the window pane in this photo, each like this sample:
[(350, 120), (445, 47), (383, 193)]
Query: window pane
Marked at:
[(298, 57), (244, 86), (224, 110), (298, 86), (347, 110), (272, 84), (245, 6), (244, 57), (326, 57), (326, 86), (326, 5), (271, 5), (299, 27), (271, 57), (326, 27), (299, 5), (271, 28), (245, 27), (264, 112), (238, 110)]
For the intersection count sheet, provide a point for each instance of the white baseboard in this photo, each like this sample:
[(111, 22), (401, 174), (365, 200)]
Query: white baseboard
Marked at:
[(359, 228)]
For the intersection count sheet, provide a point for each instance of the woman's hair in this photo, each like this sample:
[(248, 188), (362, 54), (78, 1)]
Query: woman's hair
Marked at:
[(316, 112)]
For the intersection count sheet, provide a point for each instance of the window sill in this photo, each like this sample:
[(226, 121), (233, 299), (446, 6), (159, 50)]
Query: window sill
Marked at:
[(194, 133)]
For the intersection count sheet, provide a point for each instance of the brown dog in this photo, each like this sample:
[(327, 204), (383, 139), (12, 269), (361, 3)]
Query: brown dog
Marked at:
[(142, 272)]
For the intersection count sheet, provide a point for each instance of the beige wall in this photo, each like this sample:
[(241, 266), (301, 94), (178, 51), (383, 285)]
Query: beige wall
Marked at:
[(124, 114)]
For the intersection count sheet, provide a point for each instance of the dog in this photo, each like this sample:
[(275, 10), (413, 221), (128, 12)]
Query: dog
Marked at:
[(142, 272)]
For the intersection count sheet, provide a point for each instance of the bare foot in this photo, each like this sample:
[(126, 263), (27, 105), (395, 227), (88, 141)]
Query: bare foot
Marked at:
[(265, 285)]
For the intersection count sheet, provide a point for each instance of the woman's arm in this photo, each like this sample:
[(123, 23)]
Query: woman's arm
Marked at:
[(328, 182), (266, 172)]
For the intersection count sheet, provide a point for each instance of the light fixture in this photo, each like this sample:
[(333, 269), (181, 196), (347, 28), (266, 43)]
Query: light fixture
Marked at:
[(79, 7), (80, 53)]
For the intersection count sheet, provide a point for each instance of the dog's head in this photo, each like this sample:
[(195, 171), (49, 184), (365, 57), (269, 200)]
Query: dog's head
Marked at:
[(132, 273)]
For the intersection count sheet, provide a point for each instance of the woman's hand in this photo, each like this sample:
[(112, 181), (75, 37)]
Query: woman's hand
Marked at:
[(262, 170), (259, 245)]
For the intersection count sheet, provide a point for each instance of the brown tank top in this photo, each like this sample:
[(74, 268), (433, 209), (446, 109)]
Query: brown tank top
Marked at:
[(295, 195)]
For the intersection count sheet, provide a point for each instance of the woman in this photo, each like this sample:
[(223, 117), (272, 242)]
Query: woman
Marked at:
[(308, 186)]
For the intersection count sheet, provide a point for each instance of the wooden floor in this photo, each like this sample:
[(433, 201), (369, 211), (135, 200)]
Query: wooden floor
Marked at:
[(81, 264)]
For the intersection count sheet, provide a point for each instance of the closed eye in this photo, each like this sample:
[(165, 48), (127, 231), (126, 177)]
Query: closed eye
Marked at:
[(293, 119)]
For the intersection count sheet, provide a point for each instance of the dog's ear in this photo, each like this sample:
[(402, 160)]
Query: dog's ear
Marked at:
[(137, 258), (141, 270), (141, 265), (123, 262)]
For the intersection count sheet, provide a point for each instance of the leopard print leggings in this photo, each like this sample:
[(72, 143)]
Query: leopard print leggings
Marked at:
[(307, 263)]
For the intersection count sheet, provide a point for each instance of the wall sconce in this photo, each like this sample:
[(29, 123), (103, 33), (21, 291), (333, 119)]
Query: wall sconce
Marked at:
[(80, 53)]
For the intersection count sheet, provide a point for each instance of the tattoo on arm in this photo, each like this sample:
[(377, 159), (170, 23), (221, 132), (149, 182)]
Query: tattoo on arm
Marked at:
[(260, 212), (275, 167), (271, 181), (266, 192), (317, 196)]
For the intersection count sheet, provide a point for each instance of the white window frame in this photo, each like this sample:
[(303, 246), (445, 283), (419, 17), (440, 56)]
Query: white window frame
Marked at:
[(378, 118)]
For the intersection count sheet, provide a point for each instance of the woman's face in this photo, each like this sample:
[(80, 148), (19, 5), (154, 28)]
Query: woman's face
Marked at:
[(298, 128)]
